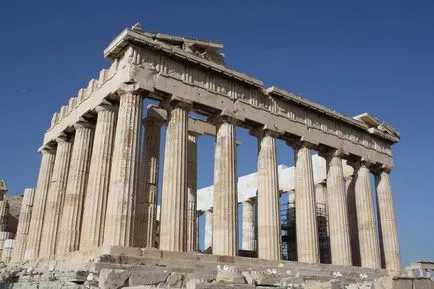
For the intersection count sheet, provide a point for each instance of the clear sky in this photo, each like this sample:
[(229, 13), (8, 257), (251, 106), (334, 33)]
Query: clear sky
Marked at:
[(351, 56)]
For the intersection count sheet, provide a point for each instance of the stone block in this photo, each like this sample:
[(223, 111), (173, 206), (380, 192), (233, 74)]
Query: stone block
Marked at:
[(139, 287), (230, 277), (317, 285), (223, 286), (265, 279), (225, 259), (147, 278), (113, 278), (421, 283), (402, 283), (175, 280)]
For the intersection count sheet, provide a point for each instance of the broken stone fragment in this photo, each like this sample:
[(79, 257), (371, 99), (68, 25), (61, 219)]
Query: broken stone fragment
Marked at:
[(113, 278), (147, 278)]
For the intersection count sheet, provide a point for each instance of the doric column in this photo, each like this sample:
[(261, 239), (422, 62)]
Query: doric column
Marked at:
[(174, 189), (4, 212), (339, 230), (269, 241), (95, 204), (124, 175), (305, 212), (369, 250), (23, 225), (386, 214), (70, 223), (40, 199), (208, 229), (191, 192), (350, 182), (55, 198), (147, 200), (225, 207), (248, 226)]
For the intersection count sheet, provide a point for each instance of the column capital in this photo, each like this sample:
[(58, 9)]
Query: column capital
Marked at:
[(330, 153), (223, 117), (380, 168), (83, 124), (62, 138), (176, 101), (261, 132), (106, 107), (152, 121), (296, 145), (356, 164), (46, 149)]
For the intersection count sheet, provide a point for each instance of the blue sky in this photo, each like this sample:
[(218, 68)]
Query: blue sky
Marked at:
[(352, 56)]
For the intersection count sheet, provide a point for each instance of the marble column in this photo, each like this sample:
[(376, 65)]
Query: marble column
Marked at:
[(149, 169), (305, 210), (124, 175), (55, 198), (368, 239), (39, 204), (321, 193), (350, 182), (248, 226), (174, 189), (269, 240), (191, 192), (70, 223), (4, 212), (208, 229), (388, 233), (23, 225), (225, 207), (95, 204), (339, 231)]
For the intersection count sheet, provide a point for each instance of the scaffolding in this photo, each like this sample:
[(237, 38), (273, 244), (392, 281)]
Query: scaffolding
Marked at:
[(289, 237)]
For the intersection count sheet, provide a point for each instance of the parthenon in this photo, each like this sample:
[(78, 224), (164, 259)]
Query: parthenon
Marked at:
[(98, 181)]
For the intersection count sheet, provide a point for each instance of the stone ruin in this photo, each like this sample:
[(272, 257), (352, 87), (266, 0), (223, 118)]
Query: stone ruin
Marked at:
[(91, 222)]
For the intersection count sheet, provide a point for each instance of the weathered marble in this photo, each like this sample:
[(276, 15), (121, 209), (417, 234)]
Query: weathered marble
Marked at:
[(306, 223), (389, 242), (95, 204), (339, 230), (208, 229), (119, 223), (248, 221), (367, 230), (4, 212), (174, 189), (23, 225), (269, 240), (191, 232), (55, 198), (40, 198), (225, 209), (70, 223)]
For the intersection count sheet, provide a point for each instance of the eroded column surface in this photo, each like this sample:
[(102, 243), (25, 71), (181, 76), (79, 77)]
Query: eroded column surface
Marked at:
[(269, 241), (369, 249), (248, 222), (388, 233), (40, 198), (191, 192), (23, 225), (151, 163), (321, 193), (55, 198), (306, 223), (350, 183), (4, 212), (208, 229), (70, 223), (225, 190), (339, 230), (92, 232), (124, 174), (174, 189)]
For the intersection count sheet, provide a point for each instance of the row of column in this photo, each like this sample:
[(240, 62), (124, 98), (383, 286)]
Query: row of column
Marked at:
[(102, 162)]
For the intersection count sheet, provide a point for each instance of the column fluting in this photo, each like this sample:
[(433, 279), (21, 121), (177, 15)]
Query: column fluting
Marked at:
[(124, 175), (70, 223), (368, 239), (40, 199), (95, 204), (305, 209), (55, 198), (225, 207), (191, 192), (248, 222), (386, 212), (23, 225), (269, 240), (174, 189), (339, 230)]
